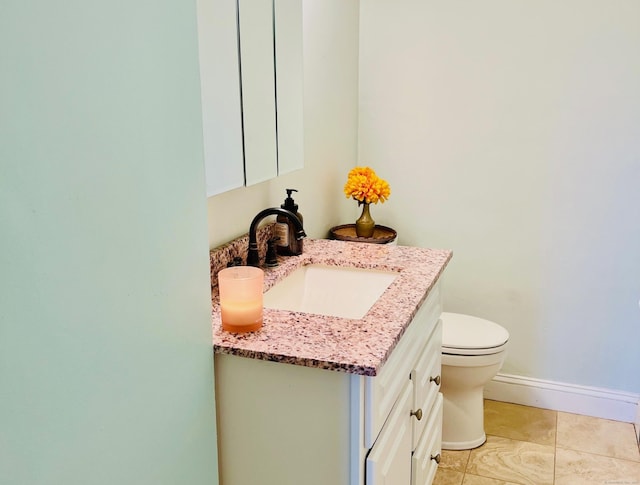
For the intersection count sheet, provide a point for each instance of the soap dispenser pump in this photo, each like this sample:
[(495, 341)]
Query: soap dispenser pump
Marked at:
[(287, 243)]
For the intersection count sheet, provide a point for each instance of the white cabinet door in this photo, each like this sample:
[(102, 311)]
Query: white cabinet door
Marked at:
[(220, 92), (257, 65), (382, 390), (424, 462), (389, 462)]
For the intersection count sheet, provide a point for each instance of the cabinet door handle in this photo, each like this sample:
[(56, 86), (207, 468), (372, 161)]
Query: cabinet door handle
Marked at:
[(436, 458), (435, 379), (417, 414)]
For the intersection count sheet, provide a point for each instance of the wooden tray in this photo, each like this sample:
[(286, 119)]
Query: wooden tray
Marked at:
[(347, 232)]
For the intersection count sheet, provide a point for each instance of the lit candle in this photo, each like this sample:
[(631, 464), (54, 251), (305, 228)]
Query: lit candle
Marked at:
[(241, 312), (240, 290)]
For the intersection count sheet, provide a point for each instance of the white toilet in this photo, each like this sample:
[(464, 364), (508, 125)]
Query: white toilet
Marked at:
[(473, 350)]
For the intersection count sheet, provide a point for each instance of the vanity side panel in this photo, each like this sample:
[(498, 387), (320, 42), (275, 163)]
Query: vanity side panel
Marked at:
[(281, 423)]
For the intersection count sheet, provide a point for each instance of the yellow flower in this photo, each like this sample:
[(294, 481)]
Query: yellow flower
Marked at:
[(365, 186)]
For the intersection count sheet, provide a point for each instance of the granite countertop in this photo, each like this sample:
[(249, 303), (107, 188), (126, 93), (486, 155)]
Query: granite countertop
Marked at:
[(347, 345)]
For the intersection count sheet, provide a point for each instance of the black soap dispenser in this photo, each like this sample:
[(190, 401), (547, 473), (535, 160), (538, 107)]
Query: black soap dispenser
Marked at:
[(287, 243)]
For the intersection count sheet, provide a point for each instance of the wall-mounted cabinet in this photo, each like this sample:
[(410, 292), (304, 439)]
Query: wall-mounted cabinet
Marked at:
[(252, 90)]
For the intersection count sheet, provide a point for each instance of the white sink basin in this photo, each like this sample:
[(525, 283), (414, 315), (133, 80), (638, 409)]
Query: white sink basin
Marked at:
[(329, 290)]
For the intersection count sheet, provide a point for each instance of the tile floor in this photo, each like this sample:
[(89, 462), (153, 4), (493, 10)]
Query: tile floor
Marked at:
[(531, 446)]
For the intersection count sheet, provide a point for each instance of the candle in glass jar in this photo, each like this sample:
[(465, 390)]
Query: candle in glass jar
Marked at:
[(240, 289)]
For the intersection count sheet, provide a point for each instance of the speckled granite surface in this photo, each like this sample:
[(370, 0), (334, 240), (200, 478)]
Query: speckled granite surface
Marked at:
[(353, 346)]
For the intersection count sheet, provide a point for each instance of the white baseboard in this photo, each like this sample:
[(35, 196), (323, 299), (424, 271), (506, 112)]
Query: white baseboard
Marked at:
[(558, 396)]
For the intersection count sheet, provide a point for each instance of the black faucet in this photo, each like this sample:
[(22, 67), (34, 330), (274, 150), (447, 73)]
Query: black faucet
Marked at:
[(252, 255)]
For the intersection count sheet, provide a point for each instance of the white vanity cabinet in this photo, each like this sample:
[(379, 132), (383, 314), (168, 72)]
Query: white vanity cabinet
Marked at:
[(283, 424)]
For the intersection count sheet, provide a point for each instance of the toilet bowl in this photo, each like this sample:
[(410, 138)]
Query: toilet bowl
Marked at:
[(473, 350)]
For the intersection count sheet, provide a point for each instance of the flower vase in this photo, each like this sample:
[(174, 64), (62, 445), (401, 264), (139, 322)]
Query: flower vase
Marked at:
[(365, 223)]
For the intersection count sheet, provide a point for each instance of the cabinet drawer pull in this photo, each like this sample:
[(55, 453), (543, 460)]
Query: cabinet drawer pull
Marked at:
[(435, 379), (436, 458), (417, 414)]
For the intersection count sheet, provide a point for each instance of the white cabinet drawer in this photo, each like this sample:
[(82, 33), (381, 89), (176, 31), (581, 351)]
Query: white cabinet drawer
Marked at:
[(424, 462), (381, 392), (426, 380), (389, 460)]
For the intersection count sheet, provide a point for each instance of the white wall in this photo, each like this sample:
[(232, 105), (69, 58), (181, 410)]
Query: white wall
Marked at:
[(106, 365), (331, 120), (510, 133)]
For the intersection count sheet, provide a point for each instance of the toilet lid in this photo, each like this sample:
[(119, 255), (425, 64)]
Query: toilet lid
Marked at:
[(471, 335)]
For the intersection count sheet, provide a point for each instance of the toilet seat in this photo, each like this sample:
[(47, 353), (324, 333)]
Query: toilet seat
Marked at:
[(468, 335)]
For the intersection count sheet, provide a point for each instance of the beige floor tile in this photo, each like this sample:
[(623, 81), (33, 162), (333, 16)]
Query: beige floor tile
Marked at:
[(513, 461), (521, 423), (454, 460), (448, 477), (477, 480), (579, 468), (599, 436)]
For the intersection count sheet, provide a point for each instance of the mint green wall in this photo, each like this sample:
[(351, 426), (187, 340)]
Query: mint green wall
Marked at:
[(105, 341)]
